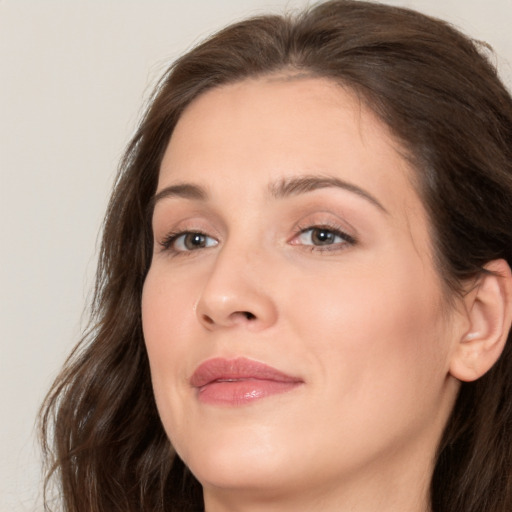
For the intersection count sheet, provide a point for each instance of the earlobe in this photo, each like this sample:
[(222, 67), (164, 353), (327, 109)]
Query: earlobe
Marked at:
[(489, 314)]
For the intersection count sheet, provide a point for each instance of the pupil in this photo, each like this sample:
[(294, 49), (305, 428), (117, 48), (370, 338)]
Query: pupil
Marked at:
[(322, 237), (194, 240)]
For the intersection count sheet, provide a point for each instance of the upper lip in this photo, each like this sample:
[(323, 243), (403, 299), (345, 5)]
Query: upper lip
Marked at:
[(220, 369)]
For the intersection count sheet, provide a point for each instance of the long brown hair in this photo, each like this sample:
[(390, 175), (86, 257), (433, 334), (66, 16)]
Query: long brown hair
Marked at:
[(442, 99)]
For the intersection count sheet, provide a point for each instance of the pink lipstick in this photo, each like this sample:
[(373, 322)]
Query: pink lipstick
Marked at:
[(239, 381)]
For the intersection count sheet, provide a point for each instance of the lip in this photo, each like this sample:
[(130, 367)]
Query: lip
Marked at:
[(240, 381)]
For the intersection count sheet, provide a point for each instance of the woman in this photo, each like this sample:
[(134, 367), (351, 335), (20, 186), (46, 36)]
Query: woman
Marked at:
[(304, 296)]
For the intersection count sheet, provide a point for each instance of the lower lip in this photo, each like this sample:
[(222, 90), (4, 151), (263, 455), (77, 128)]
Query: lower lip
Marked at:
[(242, 392)]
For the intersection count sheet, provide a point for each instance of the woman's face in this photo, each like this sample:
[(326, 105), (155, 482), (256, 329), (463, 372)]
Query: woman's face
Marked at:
[(288, 235)]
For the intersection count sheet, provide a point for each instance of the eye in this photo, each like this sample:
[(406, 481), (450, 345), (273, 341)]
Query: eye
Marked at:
[(323, 236), (188, 241)]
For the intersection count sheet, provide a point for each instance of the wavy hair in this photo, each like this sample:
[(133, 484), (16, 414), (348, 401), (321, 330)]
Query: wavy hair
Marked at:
[(441, 97)]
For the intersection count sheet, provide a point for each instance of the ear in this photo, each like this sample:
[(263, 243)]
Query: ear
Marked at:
[(488, 308)]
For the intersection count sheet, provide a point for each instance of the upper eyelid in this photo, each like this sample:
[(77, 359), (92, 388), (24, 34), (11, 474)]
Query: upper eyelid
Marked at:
[(187, 219), (197, 222), (327, 220)]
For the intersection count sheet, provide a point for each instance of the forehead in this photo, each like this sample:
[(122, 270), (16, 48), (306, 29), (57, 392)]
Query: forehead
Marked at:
[(274, 127), (278, 113)]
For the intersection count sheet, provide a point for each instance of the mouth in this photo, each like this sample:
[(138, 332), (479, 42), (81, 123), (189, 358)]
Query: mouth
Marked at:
[(236, 382)]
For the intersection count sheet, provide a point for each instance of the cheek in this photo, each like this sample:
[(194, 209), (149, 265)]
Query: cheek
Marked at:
[(166, 322), (168, 306), (376, 342), (376, 331), (161, 315)]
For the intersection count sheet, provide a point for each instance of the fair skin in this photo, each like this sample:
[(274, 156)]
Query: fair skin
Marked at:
[(329, 279)]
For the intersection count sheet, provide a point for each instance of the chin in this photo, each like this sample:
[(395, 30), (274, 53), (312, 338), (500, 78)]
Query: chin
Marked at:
[(237, 462)]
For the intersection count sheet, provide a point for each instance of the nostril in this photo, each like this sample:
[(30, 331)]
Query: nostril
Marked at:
[(207, 319), (234, 318)]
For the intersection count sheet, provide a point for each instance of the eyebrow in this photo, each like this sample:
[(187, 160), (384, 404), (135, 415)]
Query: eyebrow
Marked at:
[(184, 190), (303, 184), (280, 189)]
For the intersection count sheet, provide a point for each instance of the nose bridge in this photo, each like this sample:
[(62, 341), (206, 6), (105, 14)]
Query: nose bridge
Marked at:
[(236, 290)]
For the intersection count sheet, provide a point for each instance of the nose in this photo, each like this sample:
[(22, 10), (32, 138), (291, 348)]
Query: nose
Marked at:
[(236, 293)]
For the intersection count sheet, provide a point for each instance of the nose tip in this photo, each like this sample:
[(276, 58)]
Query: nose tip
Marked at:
[(215, 314), (227, 302)]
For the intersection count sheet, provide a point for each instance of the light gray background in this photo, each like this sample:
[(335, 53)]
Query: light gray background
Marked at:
[(73, 77)]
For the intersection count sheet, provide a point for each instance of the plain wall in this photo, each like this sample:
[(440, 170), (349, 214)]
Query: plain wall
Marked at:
[(73, 78)]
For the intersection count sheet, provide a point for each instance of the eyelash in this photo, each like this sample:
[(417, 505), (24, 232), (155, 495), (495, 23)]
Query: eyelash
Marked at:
[(167, 244), (170, 240), (336, 231)]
